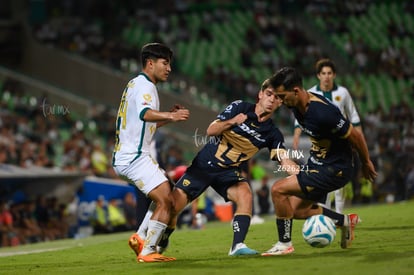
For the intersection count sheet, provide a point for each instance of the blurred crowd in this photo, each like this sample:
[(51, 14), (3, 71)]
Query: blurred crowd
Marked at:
[(390, 58), (30, 221), (390, 139), (44, 219), (31, 137)]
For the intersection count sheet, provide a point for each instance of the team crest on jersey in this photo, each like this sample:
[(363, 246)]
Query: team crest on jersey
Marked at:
[(186, 182), (338, 98), (147, 98)]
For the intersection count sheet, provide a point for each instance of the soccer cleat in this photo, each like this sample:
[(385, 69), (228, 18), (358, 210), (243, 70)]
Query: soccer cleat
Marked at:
[(279, 249), (347, 235), (241, 249), (256, 220), (153, 258), (136, 243)]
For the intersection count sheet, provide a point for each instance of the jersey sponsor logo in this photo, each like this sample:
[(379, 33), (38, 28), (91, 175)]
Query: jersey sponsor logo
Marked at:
[(186, 182), (340, 124), (251, 132)]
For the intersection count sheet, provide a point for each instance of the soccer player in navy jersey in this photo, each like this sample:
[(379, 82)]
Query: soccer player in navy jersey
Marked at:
[(329, 166), (237, 134), (340, 96)]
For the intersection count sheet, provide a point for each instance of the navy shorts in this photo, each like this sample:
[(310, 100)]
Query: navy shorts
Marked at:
[(317, 181), (199, 176)]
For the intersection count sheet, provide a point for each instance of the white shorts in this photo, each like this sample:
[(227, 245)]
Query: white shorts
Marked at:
[(144, 172)]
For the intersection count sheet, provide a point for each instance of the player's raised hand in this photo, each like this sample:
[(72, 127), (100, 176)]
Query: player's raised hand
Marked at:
[(368, 171)]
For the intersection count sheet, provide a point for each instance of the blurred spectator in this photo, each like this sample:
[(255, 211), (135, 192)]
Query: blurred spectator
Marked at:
[(99, 160), (28, 224), (263, 196), (8, 235), (129, 206), (99, 219), (116, 216), (42, 215), (70, 215)]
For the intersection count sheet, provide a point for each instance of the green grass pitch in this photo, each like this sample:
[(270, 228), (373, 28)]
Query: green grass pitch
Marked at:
[(384, 244)]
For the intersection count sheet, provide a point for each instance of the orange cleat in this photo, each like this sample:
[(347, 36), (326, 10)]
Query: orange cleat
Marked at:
[(136, 243), (153, 258)]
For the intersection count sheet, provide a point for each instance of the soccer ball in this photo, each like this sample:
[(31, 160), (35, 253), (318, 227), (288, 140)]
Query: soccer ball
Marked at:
[(319, 231)]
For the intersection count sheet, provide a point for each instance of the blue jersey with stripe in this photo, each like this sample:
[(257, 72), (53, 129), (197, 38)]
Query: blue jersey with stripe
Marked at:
[(241, 142), (328, 130)]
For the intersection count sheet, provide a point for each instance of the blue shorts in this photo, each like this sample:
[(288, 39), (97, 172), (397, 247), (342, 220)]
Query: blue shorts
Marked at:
[(199, 176), (317, 181)]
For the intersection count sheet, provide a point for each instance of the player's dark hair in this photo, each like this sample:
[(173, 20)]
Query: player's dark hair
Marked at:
[(287, 77), (325, 62), (155, 51)]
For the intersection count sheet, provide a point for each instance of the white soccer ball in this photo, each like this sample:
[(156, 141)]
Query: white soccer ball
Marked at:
[(319, 231)]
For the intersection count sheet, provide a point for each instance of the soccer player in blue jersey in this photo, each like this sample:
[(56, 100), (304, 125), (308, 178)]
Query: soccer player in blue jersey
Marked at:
[(340, 96), (329, 166), (237, 134)]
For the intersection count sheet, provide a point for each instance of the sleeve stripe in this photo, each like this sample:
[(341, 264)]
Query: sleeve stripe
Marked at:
[(142, 114)]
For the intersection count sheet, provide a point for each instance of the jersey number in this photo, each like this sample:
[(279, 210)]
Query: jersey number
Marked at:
[(121, 119)]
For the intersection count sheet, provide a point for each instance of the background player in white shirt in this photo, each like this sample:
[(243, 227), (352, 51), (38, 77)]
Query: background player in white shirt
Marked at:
[(137, 120), (339, 95)]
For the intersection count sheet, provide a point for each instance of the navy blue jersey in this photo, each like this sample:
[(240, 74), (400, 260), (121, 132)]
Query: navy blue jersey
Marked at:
[(241, 142), (328, 130)]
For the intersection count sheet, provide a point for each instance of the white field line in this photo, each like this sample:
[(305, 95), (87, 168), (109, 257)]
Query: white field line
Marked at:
[(15, 253)]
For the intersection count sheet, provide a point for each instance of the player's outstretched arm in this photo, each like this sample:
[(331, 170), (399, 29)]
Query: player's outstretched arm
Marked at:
[(163, 118), (358, 141)]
